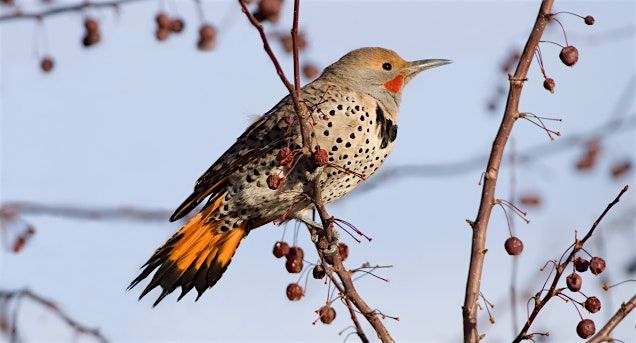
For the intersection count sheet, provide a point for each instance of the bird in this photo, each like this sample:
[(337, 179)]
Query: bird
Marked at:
[(353, 107)]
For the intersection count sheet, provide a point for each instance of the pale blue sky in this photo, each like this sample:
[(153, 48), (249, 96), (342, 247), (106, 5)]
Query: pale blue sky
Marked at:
[(135, 122)]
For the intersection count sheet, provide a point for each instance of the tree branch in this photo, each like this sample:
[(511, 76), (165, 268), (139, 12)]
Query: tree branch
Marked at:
[(480, 225), (18, 14), (17, 295)]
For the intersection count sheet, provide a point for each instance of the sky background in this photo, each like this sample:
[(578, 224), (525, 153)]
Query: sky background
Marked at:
[(135, 122)]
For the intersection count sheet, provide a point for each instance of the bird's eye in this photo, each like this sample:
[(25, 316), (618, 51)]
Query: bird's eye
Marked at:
[(387, 66)]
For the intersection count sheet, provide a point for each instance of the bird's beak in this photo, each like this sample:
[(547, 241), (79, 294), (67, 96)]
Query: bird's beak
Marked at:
[(416, 67)]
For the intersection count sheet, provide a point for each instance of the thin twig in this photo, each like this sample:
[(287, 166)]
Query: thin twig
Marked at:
[(18, 15), (480, 226), (53, 308)]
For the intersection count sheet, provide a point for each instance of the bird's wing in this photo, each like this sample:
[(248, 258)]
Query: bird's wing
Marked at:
[(213, 181)]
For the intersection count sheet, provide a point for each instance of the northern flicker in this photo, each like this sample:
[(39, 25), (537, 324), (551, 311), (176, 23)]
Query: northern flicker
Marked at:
[(354, 107)]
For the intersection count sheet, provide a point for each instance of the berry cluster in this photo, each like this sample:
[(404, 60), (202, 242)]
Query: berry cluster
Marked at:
[(569, 54), (574, 282), (167, 25), (91, 35)]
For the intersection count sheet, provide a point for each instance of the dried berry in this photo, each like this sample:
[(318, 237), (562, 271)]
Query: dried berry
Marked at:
[(592, 304), (581, 264), (597, 265), (176, 25), (275, 182), (268, 10), (574, 282), (318, 272), (280, 249), (207, 37), (296, 253), (514, 246), (288, 43), (285, 157), (294, 292), (589, 20), (621, 168), (585, 328), (549, 84), (46, 64), (91, 38), (294, 265), (569, 55), (343, 251), (162, 34), (310, 71), (530, 200), (327, 314), (162, 20), (320, 157), (91, 25), (207, 31)]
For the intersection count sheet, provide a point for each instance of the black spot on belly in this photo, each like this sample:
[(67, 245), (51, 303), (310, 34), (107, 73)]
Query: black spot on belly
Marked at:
[(388, 131)]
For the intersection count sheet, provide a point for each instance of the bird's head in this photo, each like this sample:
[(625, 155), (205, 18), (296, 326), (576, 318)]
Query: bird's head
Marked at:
[(379, 72)]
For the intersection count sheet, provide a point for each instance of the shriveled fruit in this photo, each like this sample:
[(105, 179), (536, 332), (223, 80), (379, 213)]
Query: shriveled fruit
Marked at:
[(280, 249), (585, 328), (597, 265), (569, 55), (294, 292), (327, 314), (514, 246), (574, 282)]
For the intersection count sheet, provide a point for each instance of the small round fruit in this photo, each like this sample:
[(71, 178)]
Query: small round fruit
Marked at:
[(274, 182), (343, 251), (176, 25), (320, 158), (581, 265), (162, 34), (327, 314), (585, 328), (294, 266), (592, 304), (162, 20), (296, 252), (569, 55), (574, 282), (549, 84), (46, 64), (280, 249), (294, 292), (597, 265), (589, 20), (318, 272), (207, 31), (91, 24), (514, 246)]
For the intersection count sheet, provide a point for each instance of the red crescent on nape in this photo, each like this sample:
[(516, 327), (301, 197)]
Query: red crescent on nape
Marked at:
[(395, 84)]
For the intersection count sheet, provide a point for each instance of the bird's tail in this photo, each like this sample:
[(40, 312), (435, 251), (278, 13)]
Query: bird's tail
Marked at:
[(194, 257)]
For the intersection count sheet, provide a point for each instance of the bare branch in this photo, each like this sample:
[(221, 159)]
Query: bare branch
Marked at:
[(19, 15), (480, 226), (18, 295)]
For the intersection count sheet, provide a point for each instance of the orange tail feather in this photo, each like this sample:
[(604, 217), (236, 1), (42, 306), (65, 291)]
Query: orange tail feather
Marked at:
[(194, 257)]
